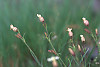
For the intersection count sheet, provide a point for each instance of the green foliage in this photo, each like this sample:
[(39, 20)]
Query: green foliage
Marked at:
[(57, 14)]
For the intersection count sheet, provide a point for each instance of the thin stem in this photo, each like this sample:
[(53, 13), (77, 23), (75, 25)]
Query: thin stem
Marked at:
[(84, 55), (70, 62), (32, 53), (75, 61), (56, 51)]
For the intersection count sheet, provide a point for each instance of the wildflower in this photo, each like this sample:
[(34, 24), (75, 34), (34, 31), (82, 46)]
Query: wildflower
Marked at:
[(40, 18), (85, 21), (71, 52), (70, 32), (87, 31), (96, 31), (79, 48), (52, 51), (13, 28), (53, 60), (82, 38)]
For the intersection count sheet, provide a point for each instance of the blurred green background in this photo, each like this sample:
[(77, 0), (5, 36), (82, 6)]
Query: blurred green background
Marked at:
[(58, 15)]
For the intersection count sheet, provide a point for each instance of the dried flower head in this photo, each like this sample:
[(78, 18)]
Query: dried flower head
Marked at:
[(82, 38), (71, 52), (85, 21), (13, 28), (53, 60), (40, 18)]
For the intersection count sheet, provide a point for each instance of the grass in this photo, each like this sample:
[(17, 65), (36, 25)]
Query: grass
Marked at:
[(57, 15)]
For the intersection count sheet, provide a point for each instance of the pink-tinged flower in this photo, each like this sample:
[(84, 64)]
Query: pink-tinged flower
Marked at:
[(96, 31), (53, 60), (86, 22), (70, 32), (79, 48), (13, 28), (71, 52), (82, 38), (40, 18)]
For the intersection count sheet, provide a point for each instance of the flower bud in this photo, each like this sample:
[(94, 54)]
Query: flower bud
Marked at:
[(85, 21), (79, 48), (71, 52), (87, 31), (96, 31), (18, 36), (46, 34), (52, 51)]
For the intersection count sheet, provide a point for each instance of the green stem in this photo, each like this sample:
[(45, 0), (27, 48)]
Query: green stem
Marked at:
[(75, 61), (84, 55), (56, 52), (32, 53)]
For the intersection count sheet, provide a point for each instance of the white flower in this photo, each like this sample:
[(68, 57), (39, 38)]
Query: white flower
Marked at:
[(38, 15), (81, 35), (69, 29), (52, 58), (11, 27), (83, 19)]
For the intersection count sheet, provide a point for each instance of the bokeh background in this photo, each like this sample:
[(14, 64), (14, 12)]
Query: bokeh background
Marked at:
[(58, 15)]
